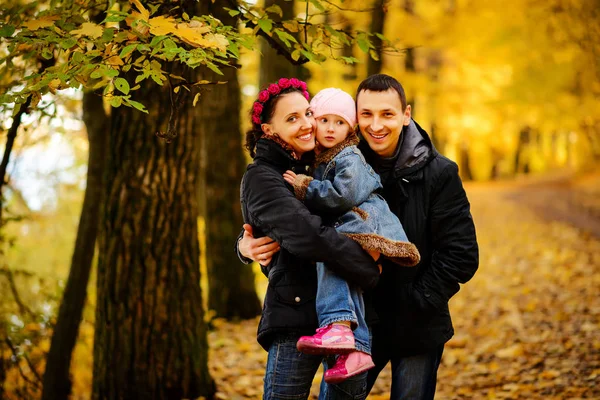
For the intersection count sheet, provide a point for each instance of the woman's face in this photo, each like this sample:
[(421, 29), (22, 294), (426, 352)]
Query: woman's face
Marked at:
[(293, 122)]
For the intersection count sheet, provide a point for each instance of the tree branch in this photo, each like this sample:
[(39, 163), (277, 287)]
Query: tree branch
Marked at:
[(13, 288), (281, 50)]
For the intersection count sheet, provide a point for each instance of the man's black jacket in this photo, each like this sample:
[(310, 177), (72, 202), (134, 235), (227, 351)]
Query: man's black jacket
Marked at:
[(425, 191), (269, 205)]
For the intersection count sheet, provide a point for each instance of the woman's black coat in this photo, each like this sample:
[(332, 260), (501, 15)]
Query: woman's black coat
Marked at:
[(269, 205)]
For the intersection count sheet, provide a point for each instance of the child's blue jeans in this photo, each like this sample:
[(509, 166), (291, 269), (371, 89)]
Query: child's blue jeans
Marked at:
[(337, 300)]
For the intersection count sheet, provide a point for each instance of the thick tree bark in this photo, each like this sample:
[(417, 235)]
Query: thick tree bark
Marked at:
[(232, 292), (57, 384), (377, 25), (150, 339), (274, 66)]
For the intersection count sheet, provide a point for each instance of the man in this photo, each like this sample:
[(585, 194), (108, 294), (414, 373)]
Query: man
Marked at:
[(424, 190)]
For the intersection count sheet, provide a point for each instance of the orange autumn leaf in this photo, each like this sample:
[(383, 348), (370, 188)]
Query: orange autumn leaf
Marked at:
[(41, 22)]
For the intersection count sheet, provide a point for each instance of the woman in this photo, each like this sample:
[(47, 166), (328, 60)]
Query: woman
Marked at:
[(282, 133)]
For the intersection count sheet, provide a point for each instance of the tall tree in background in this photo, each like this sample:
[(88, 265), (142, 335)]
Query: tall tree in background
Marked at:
[(150, 339), (378, 14), (232, 291), (57, 384), (273, 65)]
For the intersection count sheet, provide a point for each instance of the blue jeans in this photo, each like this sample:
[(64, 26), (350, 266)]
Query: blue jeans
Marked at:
[(289, 375), (413, 378), (338, 301)]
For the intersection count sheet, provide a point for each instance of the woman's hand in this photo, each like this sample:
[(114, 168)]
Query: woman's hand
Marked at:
[(260, 250), (290, 177)]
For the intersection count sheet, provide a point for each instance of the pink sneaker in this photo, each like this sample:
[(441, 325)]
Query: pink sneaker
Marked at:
[(348, 365), (332, 339)]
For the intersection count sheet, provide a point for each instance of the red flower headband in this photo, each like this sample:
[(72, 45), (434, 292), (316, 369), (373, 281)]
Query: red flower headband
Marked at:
[(273, 90)]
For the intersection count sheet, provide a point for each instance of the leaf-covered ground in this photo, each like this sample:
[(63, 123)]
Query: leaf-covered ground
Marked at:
[(527, 325)]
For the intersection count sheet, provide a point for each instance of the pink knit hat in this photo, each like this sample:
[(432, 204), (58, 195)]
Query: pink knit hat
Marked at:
[(334, 101)]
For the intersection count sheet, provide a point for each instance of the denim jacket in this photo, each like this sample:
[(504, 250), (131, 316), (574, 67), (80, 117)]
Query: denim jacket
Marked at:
[(344, 186)]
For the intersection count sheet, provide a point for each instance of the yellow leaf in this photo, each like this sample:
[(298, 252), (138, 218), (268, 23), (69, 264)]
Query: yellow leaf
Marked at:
[(162, 25), (89, 29), (513, 351), (145, 14), (114, 60), (196, 99), (54, 84), (41, 22), (216, 41)]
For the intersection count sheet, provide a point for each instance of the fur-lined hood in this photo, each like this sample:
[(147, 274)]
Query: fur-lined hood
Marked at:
[(329, 154)]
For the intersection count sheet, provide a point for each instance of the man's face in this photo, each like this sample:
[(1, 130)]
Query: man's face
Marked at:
[(380, 119)]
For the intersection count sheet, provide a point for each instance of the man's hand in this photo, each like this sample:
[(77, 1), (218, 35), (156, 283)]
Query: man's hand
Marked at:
[(289, 177), (260, 250)]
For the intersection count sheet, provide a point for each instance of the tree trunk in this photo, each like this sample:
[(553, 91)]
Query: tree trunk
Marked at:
[(57, 384), (465, 164), (521, 158), (273, 65), (377, 26), (150, 339), (232, 292), (409, 62)]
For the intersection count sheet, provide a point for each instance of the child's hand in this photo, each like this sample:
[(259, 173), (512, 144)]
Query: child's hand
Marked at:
[(290, 177)]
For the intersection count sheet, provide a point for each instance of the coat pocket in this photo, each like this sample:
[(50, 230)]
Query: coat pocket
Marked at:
[(293, 289), (295, 295)]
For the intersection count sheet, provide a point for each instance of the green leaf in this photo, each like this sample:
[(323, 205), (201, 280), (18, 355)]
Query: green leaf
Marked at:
[(68, 43), (136, 105), (157, 39), (122, 85), (97, 73), (363, 44), (275, 9), (285, 37), (233, 49), (169, 44), (116, 101), (115, 16), (311, 56), (318, 4), (140, 77), (214, 68), (47, 54), (127, 50), (265, 24), (233, 13), (108, 34), (6, 30), (110, 73)]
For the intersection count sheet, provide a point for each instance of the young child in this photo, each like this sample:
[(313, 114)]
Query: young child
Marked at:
[(343, 190)]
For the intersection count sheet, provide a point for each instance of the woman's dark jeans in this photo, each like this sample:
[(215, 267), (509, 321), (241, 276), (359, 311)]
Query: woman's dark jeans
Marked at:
[(290, 374)]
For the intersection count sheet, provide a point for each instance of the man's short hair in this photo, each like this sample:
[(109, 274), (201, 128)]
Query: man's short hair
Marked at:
[(382, 83)]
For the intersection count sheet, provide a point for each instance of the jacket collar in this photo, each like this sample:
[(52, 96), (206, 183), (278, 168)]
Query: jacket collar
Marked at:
[(416, 151), (272, 151), (329, 154)]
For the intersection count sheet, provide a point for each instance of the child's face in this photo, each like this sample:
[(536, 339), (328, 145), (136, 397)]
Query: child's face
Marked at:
[(331, 130)]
